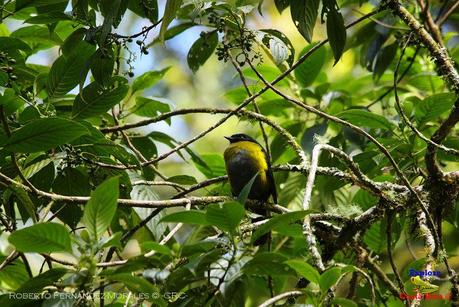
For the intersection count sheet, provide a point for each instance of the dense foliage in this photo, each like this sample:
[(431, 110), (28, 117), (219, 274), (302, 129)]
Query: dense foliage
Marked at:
[(106, 200)]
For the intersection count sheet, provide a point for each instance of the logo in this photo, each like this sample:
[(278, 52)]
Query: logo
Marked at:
[(424, 290)]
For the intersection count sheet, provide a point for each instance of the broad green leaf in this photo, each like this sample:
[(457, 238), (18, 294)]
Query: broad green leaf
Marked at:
[(202, 49), (12, 276), (113, 240), (148, 107), (281, 4), (51, 17), (188, 217), (144, 8), (136, 284), (43, 134), (41, 238), (95, 101), (226, 216), (101, 207), (38, 37), (10, 44), (170, 11), (213, 166), (364, 199), (433, 106), (336, 33), (242, 197), (102, 64), (364, 118), (67, 71), (329, 278), (10, 101), (37, 283), (268, 263), (42, 5), (308, 71), (25, 200), (375, 238), (304, 16), (183, 179), (148, 79), (384, 59), (304, 269), (150, 245), (279, 220)]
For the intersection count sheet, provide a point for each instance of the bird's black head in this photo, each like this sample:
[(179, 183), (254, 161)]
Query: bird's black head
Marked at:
[(239, 138)]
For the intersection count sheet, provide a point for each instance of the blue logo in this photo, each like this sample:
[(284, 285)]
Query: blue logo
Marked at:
[(412, 272)]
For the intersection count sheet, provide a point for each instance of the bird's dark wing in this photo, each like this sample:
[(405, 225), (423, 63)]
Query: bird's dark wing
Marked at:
[(270, 176), (272, 184)]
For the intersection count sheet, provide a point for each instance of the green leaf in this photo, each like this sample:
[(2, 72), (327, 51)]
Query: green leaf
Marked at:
[(183, 179), (172, 7), (304, 16), (102, 64), (375, 238), (363, 118), (42, 5), (147, 107), (25, 200), (433, 106), (113, 240), (281, 5), (226, 216), (194, 217), (308, 71), (336, 33), (268, 263), (202, 49), (148, 79), (279, 220), (150, 245), (41, 238), (101, 207), (135, 283), (145, 8), (329, 278), (211, 165), (37, 283), (384, 59), (67, 71), (242, 197), (43, 134), (51, 17), (10, 101), (95, 101), (304, 269)]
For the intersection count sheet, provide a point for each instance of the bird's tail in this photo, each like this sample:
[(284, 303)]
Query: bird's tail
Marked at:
[(264, 238)]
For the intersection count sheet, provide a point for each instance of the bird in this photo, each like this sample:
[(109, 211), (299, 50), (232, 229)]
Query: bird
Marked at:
[(244, 158)]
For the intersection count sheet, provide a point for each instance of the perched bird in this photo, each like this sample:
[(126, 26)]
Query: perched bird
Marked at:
[(244, 157)]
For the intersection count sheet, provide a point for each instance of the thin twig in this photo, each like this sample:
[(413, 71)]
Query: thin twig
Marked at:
[(280, 297), (445, 16)]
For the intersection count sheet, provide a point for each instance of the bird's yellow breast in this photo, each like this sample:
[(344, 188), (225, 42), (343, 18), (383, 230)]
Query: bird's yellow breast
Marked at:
[(253, 150), (243, 151)]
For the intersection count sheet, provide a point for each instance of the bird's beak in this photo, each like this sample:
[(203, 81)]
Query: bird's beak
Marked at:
[(228, 138)]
